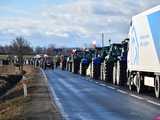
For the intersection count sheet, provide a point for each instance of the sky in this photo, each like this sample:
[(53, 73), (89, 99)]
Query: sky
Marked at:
[(68, 23)]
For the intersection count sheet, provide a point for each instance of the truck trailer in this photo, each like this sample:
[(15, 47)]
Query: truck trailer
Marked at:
[(144, 51)]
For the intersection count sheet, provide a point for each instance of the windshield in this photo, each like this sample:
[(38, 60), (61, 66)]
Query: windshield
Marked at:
[(116, 50)]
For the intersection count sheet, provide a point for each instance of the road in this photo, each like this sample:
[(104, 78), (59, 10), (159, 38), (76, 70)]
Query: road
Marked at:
[(80, 99)]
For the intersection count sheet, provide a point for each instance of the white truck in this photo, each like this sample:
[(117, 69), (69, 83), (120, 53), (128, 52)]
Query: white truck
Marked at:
[(144, 51)]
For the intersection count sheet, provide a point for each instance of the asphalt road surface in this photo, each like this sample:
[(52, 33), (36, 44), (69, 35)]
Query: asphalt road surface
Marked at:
[(80, 99)]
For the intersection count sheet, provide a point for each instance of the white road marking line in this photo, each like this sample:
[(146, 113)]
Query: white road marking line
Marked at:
[(55, 98), (97, 82), (135, 96), (111, 87), (152, 102), (121, 91), (58, 103), (102, 84)]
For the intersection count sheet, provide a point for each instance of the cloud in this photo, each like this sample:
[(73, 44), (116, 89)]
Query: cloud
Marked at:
[(90, 17), (81, 20)]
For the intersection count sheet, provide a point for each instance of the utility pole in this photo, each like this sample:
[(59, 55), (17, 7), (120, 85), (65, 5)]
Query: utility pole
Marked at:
[(102, 42)]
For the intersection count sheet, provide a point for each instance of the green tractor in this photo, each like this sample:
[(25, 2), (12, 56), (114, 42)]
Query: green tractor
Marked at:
[(63, 62), (110, 62), (120, 65), (69, 64), (85, 61), (76, 60), (104, 53), (95, 66)]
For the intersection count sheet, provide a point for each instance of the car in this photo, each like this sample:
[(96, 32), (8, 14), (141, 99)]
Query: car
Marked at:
[(48, 63)]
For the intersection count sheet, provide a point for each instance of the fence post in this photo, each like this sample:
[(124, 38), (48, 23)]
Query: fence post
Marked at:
[(24, 86)]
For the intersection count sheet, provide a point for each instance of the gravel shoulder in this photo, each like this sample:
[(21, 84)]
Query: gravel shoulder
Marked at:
[(41, 106)]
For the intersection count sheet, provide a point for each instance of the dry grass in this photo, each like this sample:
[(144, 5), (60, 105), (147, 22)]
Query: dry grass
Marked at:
[(13, 107)]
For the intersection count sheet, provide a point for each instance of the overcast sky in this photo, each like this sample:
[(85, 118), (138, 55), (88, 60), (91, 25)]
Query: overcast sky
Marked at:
[(68, 22)]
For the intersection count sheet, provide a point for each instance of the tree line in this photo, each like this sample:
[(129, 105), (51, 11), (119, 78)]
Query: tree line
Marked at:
[(21, 45)]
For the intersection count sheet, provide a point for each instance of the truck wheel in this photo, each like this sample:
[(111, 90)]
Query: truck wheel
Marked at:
[(105, 72), (101, 72), (92, 70), (130, 81), (118, 73), (157, 86), (80, 70), (83, 70), (114, 74), (73, 70), (139, 83)]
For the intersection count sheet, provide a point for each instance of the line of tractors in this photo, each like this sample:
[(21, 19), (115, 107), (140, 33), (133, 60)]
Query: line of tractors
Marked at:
[(107, 63)]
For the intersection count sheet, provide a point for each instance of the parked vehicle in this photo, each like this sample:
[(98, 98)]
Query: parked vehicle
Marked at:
[(109, 62), (69, 64), (76, 60), (63, 62), (48, 63), (95, 66), (120, 65), (85, 61), (144, 51), (104, 53)]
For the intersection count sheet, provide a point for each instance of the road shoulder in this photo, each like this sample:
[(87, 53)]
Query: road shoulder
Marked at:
[(41, 106)]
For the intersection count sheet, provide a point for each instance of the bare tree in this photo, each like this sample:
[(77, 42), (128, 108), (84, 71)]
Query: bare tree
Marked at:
[(20, 47)]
